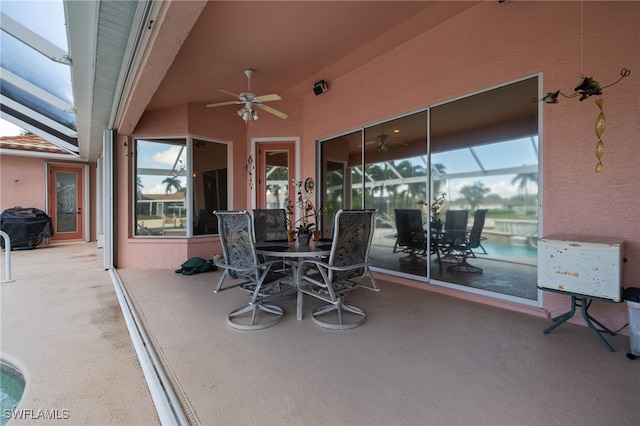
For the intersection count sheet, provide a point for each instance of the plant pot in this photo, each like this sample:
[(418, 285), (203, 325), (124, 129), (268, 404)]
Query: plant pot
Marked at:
[(291, 236), (317, 235), (303, 239)]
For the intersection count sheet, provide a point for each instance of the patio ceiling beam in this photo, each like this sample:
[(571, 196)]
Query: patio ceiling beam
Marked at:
[(34, 40), (159, 172), (39, 117), (474, 174), (393, 169), (494, 172), (36, 91), (475, 157)]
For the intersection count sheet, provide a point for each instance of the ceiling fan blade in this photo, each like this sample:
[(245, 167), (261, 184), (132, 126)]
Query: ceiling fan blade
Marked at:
[(369, 142), (229, 93), (268, 98), (223, 104), (272, 111)]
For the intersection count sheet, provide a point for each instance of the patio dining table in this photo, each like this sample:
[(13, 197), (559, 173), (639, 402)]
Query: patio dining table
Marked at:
[(293, 251)]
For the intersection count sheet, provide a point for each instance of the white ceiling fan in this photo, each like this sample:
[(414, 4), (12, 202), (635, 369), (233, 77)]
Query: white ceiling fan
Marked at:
[(250, 101)]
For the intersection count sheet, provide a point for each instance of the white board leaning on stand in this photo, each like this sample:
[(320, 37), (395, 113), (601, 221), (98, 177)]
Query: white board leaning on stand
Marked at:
[(581, 265)]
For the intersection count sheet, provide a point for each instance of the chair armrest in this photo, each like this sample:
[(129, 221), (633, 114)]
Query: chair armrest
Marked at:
[(324, 268)]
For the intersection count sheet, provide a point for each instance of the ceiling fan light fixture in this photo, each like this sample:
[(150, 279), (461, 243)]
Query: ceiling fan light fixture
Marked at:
[(251, 101), (383, 147)]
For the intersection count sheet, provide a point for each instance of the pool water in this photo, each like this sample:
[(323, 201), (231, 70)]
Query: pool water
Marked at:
[(11, 389), (506, 249), (499, 248)]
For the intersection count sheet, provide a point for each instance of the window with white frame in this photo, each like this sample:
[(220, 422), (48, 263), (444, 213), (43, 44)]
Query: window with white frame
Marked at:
[(179, 183)]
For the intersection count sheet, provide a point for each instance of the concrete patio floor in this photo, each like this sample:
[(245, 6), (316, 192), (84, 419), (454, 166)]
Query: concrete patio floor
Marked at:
[(62, 327), (421, 357)]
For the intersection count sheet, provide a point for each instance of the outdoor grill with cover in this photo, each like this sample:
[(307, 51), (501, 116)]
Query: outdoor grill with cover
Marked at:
[(26, 227)]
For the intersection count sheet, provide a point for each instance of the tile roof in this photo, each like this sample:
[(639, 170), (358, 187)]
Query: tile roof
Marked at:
[(30, 142)]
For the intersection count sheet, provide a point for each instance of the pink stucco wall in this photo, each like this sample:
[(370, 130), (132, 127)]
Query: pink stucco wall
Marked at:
[(480, 48), (23, 182), (486, 46)]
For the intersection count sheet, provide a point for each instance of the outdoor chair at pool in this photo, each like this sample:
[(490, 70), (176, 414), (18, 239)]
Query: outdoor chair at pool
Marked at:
[(454, 235), (259, 279), (464, 249), (475, 238), (411, 238), (332, 281)]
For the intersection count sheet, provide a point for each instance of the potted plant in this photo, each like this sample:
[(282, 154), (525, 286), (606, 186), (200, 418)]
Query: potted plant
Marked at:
[(436, 210), (305, 230), (291, 233)]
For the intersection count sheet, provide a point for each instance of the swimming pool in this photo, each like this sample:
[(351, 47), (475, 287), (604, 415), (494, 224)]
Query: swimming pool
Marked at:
[(492, 246), (506, 249), (11, 390)]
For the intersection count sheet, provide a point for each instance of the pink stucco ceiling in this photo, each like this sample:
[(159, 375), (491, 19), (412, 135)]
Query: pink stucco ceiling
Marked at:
[(289, 44)]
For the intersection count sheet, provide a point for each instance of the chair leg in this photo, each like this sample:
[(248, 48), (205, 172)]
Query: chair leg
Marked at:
[(412, 259), (465, 267), (255, 309), (340, 307), (299, 305)]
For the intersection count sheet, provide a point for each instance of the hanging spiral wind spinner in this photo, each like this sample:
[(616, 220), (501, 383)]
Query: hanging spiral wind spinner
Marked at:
[(599, 132)]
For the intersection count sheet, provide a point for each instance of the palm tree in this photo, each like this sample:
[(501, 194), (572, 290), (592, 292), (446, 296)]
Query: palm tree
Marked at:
[(441, 170), (375, 172), (172, 182), (523, 179), (139, 187)]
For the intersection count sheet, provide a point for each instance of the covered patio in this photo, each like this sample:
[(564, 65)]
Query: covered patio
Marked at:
[(422, 357)]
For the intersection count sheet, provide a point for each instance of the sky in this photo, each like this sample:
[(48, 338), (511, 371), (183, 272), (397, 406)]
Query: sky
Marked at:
[(9, 129), (45, 18), (159, 156), (162, 156)]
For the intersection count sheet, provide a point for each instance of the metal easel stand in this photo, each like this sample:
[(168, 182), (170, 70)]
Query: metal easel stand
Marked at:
[(584, 303)]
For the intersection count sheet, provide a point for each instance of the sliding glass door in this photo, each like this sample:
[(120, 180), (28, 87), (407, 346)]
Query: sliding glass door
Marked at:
[(476, 157)]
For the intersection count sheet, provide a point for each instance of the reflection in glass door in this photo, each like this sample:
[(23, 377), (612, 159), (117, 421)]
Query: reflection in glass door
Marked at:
[(396, 185), (66, 201), (273, 176), (476, 157)]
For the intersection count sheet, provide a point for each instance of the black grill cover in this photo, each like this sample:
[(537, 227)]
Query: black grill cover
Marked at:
[(25, 226)]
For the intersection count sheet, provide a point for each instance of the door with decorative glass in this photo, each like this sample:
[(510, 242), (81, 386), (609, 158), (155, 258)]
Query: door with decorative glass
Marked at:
[(66, 201)]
